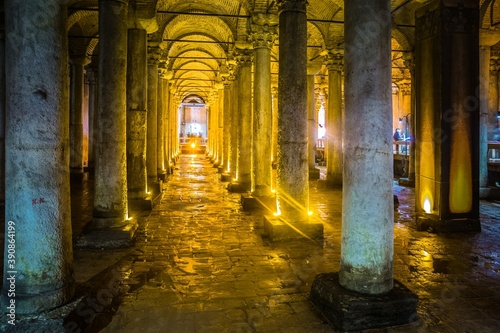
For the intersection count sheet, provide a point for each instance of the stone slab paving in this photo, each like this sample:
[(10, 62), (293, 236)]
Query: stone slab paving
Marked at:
[(201, 265)]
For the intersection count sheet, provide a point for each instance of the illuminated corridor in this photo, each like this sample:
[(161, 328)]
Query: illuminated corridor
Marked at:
[(200, 265)]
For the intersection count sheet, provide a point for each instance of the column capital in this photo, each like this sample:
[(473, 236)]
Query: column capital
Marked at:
[(292, 5), (264, 30), (154, 54), (405, 88), (334, 60), (494, 66), (244, 57)]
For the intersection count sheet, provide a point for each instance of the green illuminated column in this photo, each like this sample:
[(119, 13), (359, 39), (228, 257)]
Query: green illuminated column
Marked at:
[(367, 197), (38, 233)]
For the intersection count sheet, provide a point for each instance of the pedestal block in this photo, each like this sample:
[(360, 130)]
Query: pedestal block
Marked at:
[(350, 311)]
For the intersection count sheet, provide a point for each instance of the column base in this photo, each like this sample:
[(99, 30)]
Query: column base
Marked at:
[(220, 169), (138, 204), (226, 177), (327, 183), (406, 182), (38, 303), (349, 311), (239, 187), (277, 229), (491, 193), (434, 223), (254, 203), (97, 235), (313, 174), (162, 175)]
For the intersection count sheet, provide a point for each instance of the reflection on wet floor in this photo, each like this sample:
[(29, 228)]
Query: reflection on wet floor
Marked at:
[(200, 264)]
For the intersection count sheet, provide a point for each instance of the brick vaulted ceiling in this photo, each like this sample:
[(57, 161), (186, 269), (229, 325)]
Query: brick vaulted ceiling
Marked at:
[(198, 37)]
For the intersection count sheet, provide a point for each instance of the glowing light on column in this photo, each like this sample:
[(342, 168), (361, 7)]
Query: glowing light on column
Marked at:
[(461, 169), (427, 205)]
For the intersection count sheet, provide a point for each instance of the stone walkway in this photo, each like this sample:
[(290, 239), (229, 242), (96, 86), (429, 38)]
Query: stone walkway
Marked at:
[(201, 265)]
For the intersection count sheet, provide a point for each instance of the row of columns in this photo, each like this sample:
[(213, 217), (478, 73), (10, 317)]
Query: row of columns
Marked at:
[(132, 129), (38, 152)]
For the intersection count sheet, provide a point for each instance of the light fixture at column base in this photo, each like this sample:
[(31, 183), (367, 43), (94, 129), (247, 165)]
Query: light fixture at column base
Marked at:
[(349, 311)]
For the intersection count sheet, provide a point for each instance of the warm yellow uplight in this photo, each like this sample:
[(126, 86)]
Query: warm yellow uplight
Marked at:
[(193, 145), (277, 214), (427, 205), (273, 191), (310, 213)]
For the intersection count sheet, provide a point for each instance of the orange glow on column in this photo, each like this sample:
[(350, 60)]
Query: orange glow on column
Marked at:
[(461, 169)]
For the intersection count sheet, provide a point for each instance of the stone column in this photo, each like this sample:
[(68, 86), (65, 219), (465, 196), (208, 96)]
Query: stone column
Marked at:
[(91, 77), (137, 79), (334, 121), (226, 161), (160, 139), (312, 115), (447, 113), (367, 199), (76, 114), (293, 169), (244, 59), (484, 74), (2, 115), (152, 116), (410, 64), (214, 108), (37, 207), (111, 226), (235, 145), (221, 126), (274, 95), (263, 34), (493, 100)]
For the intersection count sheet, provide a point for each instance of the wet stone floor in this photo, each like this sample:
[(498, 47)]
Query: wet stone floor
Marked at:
[(200, 264)]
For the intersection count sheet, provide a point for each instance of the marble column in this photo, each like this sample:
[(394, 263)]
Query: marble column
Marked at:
[(137, 86), (334, 121), (263, 34), (76, 114), (220, 144), (37, 207), (160, 139), (244, 59), (152, 115), (293, 169), (493, 100), (226, 161), (274, 95), (409, 63), (484, 74), (235, 144), (447, 113), (312, 121), (2, 115), (91, 77), (367, 198)]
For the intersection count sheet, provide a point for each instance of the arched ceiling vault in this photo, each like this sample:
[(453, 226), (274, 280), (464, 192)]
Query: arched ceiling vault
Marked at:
[(198, 36)]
